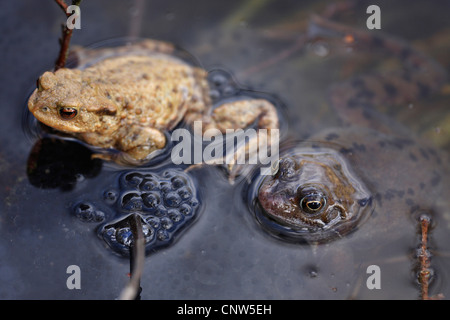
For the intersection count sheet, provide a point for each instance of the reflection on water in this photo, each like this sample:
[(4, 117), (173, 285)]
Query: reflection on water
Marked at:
[(225, 254), (55, 163)]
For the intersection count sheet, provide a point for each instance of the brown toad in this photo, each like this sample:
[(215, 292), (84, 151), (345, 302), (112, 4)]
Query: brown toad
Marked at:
[(128, 97)]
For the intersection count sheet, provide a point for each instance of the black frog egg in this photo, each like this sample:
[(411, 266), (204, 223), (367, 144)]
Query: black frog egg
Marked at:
[(84, 211), (162, 235), (110, 233), (133, 179), (166, 203), (178, 182), (172, 199), (99, 216), (214, 94), (161, 211), (149, 233), (218, 79), (151, 200), (228, 90), (87, 212), (175, 215), (124, 236), (149, 184), (154, 222), (185, 193), (185, 209), (193, 203), (165, 187), (131, 202), (110, 196), (166, 223)]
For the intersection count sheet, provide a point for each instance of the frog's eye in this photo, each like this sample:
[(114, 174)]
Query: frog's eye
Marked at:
[(313, 202), (68, 113)]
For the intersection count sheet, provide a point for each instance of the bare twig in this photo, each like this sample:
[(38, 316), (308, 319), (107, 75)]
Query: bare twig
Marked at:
[(137, 258), (424, 260), (66, 36), (62, 4)]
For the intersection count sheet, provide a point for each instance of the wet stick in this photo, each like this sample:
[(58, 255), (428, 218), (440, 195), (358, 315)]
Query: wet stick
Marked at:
[(424, 261), (137, 256), (66, 36)]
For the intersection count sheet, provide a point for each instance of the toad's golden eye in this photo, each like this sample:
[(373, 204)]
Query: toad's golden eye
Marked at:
[(67, 113), (313, 203)]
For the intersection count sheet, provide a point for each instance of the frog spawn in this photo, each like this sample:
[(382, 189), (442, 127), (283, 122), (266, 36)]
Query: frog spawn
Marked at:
[(221, 85), (166, 204)]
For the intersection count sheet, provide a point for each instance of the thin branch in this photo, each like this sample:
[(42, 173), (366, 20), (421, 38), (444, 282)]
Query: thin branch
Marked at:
[(62, 4), (66, 36), (424, 260), (65, 42), (137, 257)]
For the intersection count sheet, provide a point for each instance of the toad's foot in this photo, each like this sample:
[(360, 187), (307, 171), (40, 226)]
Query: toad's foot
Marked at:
[(242, 114), (140, 142)]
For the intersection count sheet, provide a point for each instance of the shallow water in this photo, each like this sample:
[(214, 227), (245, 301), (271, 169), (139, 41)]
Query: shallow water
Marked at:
[(224, 254)]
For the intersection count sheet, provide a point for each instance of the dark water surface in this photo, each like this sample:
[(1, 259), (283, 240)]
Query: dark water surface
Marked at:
[(224, 254)]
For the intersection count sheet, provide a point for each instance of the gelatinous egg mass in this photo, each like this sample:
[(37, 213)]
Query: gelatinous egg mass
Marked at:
[(166, 204)]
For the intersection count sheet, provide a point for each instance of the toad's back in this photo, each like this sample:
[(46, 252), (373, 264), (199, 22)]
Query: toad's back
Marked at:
[(155, 90)]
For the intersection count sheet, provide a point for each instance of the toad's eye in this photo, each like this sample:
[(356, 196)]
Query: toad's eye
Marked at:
[(312, 203), (67, 113)]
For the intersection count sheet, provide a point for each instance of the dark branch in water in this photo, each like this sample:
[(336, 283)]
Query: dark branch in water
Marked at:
[(66, 35), (137, 256), (62, 4)]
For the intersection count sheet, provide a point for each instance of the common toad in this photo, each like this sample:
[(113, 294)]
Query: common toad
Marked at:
[(128, 97)]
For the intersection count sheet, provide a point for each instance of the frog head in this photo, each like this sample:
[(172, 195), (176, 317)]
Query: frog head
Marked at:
[(314, 196)]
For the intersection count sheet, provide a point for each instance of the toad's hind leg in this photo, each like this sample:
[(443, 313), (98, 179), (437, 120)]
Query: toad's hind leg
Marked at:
[(253, 114)]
